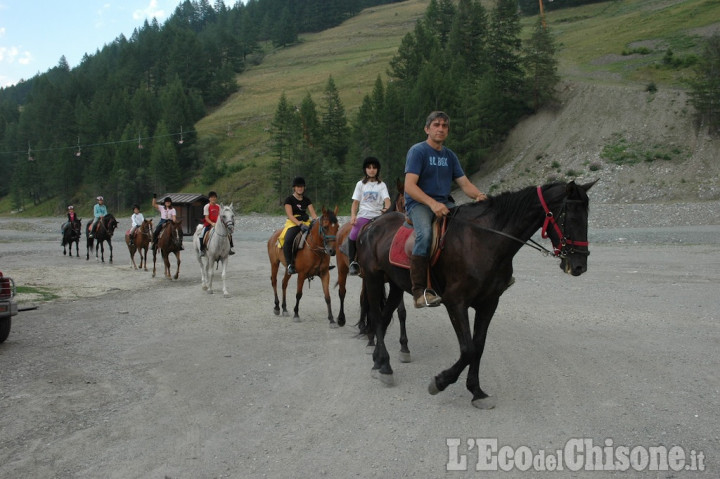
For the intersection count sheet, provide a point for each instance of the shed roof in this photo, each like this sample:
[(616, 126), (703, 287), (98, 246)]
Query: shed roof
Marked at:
[(185, 198)]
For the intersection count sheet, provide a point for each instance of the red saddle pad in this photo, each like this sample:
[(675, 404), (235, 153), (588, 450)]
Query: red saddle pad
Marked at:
[(398, 256)]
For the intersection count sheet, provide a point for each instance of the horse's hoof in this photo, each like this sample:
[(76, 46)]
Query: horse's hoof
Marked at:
[(285, 314), (341, 322), (374, 373), (226, 295), (405, 357), (210, 291), (387, 379), (432, 387), (276, 312), (333, 325), (484, 403), (204, 287), (297, 319)]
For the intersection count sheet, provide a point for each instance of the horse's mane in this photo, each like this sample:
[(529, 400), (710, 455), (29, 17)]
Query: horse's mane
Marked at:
[(501, 208)]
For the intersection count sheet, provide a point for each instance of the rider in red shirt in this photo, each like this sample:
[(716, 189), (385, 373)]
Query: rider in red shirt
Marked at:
[(211, 212)]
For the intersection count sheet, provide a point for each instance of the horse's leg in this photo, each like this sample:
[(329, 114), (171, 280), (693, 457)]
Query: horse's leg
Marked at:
[(285, 281), (458, 313), (177, 271), (404, 351), (483, 316), (166, 261), (298, 295), (224, 266), (109, 241), (365, 326), (325, 278), (274, 266), (210, 272), (154, 251), (342, 279), (375, 289)]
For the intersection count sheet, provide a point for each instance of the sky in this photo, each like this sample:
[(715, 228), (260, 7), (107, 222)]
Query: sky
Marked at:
[(34, 34)]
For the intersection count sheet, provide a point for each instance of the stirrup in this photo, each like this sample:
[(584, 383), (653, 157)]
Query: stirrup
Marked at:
[(291, 269), (231, 252), (428, 298)]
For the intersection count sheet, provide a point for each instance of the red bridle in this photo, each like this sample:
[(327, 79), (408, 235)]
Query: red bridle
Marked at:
[(558, 250)]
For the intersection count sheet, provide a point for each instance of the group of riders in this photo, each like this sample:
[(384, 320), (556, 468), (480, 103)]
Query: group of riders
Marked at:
[(211, 213), (430, 170)]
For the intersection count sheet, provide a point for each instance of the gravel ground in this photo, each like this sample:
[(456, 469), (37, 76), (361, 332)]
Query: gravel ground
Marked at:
[(128, 376)]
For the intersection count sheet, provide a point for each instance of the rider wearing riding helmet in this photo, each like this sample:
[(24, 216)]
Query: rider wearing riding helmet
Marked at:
[(370, 200), (167, 213), (297, 207), (99, 211)]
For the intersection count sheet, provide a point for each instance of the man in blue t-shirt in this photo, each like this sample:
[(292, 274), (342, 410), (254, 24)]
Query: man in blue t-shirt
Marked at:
[(430, 169)]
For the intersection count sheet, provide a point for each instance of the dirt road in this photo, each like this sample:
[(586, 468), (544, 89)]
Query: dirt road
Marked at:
[(126, 376)]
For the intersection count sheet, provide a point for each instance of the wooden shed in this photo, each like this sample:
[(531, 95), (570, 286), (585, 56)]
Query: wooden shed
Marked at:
[(189, 208)]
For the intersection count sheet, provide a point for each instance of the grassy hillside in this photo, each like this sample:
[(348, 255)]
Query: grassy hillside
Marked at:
[(354, 53), (591, 43)]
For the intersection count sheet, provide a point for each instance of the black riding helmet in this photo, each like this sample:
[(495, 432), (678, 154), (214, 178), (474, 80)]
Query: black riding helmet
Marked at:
[(298, 181), (371, 160), (167, 198)]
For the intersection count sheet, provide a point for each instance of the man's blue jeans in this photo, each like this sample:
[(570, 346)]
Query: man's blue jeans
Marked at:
[(421, 217)]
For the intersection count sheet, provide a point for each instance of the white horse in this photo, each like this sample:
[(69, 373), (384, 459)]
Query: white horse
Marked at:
[(218, 247)]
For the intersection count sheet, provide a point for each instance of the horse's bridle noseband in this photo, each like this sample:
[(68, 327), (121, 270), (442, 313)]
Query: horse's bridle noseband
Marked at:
[(325, 237), (565, 246)]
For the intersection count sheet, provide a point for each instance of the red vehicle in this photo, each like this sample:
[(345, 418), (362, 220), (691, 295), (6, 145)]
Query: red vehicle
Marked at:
[(8, 306)]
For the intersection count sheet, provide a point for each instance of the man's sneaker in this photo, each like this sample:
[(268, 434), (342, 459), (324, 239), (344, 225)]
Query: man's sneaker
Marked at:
[(354, 269), (291, 269), (231, 252)]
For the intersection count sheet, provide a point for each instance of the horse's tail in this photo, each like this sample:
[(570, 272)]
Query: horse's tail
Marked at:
[(364, 324)]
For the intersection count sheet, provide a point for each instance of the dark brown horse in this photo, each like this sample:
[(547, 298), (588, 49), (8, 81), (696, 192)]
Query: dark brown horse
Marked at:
[(103, 232), (475, 266), (71, 234), (141, 243), (343, 265), (169, 241), (312, 260)]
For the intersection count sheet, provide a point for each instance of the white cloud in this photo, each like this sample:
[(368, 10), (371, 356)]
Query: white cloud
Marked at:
[(149, 12), (2, 32), (13, 54)]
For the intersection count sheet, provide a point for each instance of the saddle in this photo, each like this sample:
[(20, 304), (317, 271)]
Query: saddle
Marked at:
[(404, 240)]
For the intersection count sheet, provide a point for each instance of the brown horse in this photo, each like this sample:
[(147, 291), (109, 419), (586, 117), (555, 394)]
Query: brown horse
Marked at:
[(143, 238), (103, 232), (343, 265), (169, 241), (475, 267), (310, 261)]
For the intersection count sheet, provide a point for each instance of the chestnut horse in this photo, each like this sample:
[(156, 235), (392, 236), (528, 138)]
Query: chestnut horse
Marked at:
[(71, 234), (143, 238), (310, 261), (343, 265), (169, 241), (103, 232), (474, 267)]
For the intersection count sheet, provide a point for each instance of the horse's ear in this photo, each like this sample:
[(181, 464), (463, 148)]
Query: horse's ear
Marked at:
[(335, 212), (587, 186)]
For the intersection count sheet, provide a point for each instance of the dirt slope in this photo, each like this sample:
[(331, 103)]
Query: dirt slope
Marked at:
[(565, 142)]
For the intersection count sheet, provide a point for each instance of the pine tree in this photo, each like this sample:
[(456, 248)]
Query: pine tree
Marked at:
[(285, 132), (541, 65), (705, 85)]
